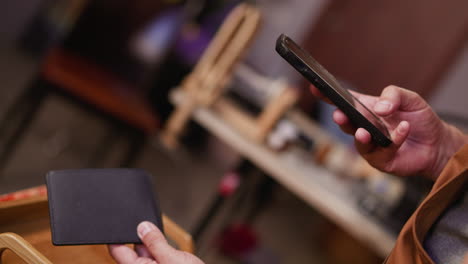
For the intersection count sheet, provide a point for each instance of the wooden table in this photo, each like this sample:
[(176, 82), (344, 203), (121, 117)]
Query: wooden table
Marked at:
[(322, 190)]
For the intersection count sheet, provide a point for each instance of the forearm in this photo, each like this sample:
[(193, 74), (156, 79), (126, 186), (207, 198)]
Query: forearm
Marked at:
[(450, 142)]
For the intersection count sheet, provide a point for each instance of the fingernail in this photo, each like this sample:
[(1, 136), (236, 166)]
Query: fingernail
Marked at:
[(382, 106), (144, 228), (403, 127)]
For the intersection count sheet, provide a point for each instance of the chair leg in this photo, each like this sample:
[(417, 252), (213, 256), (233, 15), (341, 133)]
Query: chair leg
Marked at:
[(208, 216), (220, 200), (263, 197), (29, 104)]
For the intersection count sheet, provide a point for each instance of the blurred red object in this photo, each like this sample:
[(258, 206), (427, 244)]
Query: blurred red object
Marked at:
[(93, 84), (24, 194), (238, 240)]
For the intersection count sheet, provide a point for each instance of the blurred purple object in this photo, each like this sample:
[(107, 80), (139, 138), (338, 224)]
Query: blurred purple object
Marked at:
[(262, 255), (191, 43), (155, 40)]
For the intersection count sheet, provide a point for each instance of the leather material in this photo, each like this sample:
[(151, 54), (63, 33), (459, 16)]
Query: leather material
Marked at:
[(100, 206)]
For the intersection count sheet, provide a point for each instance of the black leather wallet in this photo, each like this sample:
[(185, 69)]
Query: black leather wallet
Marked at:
[(100, 206)]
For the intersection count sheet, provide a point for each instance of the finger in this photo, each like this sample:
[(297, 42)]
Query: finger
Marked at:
[(342, 120), (368, 100), (316, 91), (362, 136), (400, 134), (155, 242), (394, 98), (122, 254), (363, 141), (319, 94), (389, 101), (142, 251)]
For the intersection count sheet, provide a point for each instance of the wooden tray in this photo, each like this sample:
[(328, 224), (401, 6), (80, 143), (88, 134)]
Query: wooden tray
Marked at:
[(29, 218)]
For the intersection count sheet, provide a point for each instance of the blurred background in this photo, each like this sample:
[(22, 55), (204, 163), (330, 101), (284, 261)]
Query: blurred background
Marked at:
[(88, 83)]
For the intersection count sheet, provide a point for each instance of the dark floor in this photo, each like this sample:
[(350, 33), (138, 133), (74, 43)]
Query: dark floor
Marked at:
[(63, 136)]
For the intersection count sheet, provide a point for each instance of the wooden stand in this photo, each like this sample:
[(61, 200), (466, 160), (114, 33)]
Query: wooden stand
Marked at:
[(214, 70), (254, 128)]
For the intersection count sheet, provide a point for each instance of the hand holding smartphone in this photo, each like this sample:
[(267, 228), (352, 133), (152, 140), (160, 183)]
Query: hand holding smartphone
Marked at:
[(358, 113)]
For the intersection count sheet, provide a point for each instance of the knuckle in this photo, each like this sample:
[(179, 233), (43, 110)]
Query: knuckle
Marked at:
[(152, 244), (391, 89), (152, 241), (413, 94), (389, 169)]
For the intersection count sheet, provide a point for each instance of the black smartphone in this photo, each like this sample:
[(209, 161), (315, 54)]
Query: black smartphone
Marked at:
[(358, 114)]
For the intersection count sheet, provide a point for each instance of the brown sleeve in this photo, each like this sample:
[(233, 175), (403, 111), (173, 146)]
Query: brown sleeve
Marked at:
[(453, 168), (408, 247)]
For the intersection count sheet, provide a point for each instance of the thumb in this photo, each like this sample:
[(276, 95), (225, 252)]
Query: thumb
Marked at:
[(394, 98), (156, 243)]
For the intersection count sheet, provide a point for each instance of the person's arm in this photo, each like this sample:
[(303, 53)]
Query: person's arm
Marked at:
[(454, 139), (155, 249), (422, 142)]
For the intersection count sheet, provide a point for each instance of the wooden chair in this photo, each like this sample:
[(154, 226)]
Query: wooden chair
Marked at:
[(25, 233), (214, 70)]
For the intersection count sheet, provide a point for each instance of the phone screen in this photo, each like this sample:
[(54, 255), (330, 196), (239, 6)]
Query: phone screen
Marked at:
[(335, 85)]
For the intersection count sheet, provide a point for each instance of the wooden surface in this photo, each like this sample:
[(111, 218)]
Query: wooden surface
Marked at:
[(93, 85), (174, 232), (274, 111), (322, 190), (21, 248), (29, 218)]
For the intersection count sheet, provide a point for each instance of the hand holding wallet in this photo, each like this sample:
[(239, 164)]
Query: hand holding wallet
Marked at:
[(100, 206)]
